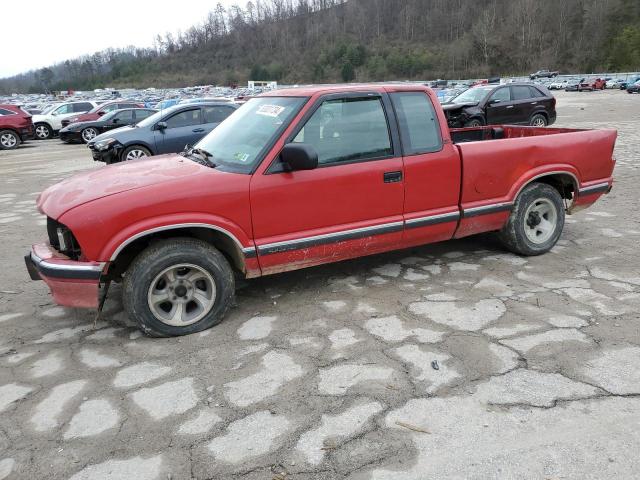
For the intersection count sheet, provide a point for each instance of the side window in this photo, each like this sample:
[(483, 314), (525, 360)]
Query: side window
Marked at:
[(142, 114), (6, 112), (110, 108), (419, 127), (520, 92), (125, 116), (216, 113), (185, 119), (66, 108), (81, 107), (535, 93), (348, 129), (502, 95)]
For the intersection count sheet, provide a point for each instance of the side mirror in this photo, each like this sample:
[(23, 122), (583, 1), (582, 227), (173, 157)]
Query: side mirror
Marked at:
[(161, 126), (101, 113), (115, 120), (494, 102), (298, 156), (55, 114)]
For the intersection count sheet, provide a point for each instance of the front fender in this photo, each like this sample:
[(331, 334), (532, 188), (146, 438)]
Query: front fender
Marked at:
[(110, 250)]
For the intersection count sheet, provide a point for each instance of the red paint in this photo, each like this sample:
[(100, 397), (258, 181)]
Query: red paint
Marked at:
[(105, 208), (20, 122)]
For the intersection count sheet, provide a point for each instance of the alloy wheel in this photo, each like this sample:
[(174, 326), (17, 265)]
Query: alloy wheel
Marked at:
[(181, 295), (8, 140)]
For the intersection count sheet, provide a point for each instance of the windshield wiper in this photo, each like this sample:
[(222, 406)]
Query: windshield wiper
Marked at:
[(200, 154)]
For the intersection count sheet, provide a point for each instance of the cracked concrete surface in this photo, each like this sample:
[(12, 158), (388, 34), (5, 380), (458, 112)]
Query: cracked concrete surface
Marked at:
[(455, 360)]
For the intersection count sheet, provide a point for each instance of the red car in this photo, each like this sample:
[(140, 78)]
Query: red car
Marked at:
[(100, 110), (302, 177), (15, 126)]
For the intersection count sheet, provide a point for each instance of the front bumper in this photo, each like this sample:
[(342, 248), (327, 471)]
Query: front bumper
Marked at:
[(112, 155), (72, 283), (70, 136)]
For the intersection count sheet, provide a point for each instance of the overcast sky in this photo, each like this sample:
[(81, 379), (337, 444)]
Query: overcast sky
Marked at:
[(38, 33)]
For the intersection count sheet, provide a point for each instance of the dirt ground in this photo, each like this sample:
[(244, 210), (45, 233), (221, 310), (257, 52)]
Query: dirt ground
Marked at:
[(455, 360)]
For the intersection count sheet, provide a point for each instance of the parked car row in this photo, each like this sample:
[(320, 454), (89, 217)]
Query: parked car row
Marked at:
[(166, 131)]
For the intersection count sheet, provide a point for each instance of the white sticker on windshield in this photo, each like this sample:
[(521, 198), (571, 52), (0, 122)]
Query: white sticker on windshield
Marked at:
[(270, 110)]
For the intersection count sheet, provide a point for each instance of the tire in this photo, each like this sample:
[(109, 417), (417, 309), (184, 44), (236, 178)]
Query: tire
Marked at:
[(42, 131), (538, 120), (523, 233), (88, 134), (474, 123), (9, 140), (204, 301), (134, 152)]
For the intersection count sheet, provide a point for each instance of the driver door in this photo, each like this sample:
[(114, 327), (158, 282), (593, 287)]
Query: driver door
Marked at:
[(349, 206), (183, 128), (500, 108)]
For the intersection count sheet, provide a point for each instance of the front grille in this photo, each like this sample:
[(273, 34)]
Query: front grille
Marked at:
[(70, 246)]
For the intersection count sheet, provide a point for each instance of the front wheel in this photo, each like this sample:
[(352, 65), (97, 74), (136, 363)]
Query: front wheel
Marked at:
[(9, 140), (88, 134), (538, 120), (178, 287), (43, 131), (474, 123), (135, 152), (536, 221)]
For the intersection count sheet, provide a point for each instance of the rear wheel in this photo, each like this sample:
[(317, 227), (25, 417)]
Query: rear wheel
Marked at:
[(178, 287), (88, 134), (43, 131), (9, 140), (135, 152), (536, 221), (538, 120)]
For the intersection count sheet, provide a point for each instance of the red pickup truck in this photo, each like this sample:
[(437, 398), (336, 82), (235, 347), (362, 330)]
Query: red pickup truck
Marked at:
[(301, 177)]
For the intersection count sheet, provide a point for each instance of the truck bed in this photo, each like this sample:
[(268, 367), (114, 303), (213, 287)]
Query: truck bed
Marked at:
[(501, 132)]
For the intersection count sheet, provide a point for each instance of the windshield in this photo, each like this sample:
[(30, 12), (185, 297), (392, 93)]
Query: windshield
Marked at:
[(48, 108), (147, 122), (243, 138), (473, 95), (110, 115)]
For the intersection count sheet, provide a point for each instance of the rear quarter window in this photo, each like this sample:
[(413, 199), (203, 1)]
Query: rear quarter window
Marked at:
[(419, 127)]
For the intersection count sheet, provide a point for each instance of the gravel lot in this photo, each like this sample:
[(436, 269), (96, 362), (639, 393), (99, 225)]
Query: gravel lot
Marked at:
[(455, 360)]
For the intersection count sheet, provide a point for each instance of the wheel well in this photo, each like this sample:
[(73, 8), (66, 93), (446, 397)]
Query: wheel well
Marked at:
[(541, 112), (146, 147), (224, 243), (564, 183)]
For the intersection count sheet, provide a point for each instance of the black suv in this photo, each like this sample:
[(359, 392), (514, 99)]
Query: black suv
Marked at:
[(513, 104)]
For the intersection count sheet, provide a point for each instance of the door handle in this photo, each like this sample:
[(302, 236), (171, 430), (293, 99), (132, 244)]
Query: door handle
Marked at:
[(198, 130), (509, 106), (534, 103), (392, 177)]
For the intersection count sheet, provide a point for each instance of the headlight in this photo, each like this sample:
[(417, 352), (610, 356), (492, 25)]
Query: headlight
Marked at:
[(105, 144)]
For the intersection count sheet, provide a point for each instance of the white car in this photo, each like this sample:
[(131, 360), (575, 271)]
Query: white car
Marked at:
[(614, 83), (558, 85), (49, 122)]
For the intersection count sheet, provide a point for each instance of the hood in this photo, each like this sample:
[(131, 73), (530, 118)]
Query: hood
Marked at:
[(114, 134), (112, 180), (457, 106)]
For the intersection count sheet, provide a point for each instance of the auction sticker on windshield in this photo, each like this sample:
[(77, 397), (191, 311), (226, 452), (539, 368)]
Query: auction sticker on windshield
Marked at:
[(270, 110)]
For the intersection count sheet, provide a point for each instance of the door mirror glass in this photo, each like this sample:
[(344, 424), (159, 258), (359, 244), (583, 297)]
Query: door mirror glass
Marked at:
[(298, 156)]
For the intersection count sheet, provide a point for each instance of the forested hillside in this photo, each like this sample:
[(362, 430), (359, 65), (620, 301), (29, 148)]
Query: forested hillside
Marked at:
[(294, 41)]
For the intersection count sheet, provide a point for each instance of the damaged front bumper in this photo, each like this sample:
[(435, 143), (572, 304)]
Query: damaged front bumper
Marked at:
[(72, 283)]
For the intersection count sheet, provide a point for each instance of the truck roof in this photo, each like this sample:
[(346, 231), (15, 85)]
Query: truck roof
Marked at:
[(310, 90)]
